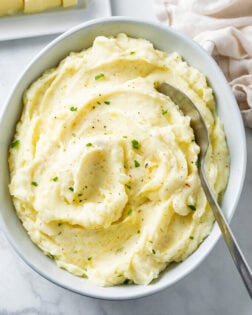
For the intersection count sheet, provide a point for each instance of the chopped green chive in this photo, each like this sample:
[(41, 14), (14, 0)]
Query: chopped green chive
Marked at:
[(59, 224), (89, 144), (84, 276), (14, 144), (153, 251), (192, 207), (34, 184), (89, 258), (137, 164), (51, 256), (79, 195), (129, 212), (126, 281), (73, 109), (71, 188), (119, 250), (132, 53), (99, 76), (138, 231), (107, 102), (55, 179), (60, 233), (164, 112), (125, 137), (73, 134), (191, 237), (135, 144), (128, 186)]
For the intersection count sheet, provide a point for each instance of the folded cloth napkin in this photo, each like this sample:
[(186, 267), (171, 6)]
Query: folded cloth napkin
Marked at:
[(224, 29)]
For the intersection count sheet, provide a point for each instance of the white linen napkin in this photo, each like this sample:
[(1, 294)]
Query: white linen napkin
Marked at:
[(224, 29)]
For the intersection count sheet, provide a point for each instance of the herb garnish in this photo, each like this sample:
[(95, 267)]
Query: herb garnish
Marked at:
[(153, 251), (164, 112), (191, 237), (132, 52), (99, 76), (107, 102), (14, 144), (119, 250), (135, 144), (128, 186), (192, 207), (55, 179), (34, 184), (89, 258), (73, 109), (126, 281), (89, 144), (71, 188), (84, 276), (51, 256), (137, 164), (129, 212)]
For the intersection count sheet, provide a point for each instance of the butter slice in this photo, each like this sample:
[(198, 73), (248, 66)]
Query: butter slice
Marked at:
[(8, 7), (69, 3), (32, 6)]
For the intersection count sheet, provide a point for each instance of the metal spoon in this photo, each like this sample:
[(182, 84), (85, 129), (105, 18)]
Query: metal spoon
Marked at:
[(202, 139)]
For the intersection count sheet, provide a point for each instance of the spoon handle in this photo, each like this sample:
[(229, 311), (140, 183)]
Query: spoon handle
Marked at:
[(229, 238)]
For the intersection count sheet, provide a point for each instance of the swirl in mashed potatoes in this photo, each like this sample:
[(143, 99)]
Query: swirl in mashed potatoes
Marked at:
[(104, 168)]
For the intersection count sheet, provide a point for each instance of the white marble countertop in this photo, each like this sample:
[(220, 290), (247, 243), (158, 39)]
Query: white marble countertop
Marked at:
[(213, 288)]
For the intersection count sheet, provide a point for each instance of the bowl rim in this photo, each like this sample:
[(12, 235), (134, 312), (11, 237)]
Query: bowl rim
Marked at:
[(215, 237)]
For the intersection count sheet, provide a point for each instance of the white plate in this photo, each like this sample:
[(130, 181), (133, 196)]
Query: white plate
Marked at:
[(53, 22)]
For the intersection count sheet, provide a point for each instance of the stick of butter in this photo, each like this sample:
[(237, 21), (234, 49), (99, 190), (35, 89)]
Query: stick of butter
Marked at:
[(10, 6), (31, 6), (69, 3)]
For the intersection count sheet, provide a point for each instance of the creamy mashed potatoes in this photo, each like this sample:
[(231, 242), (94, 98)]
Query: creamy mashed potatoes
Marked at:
[(104, 168)]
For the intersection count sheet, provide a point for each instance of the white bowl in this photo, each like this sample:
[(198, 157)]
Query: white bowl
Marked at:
[(81, 37)]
